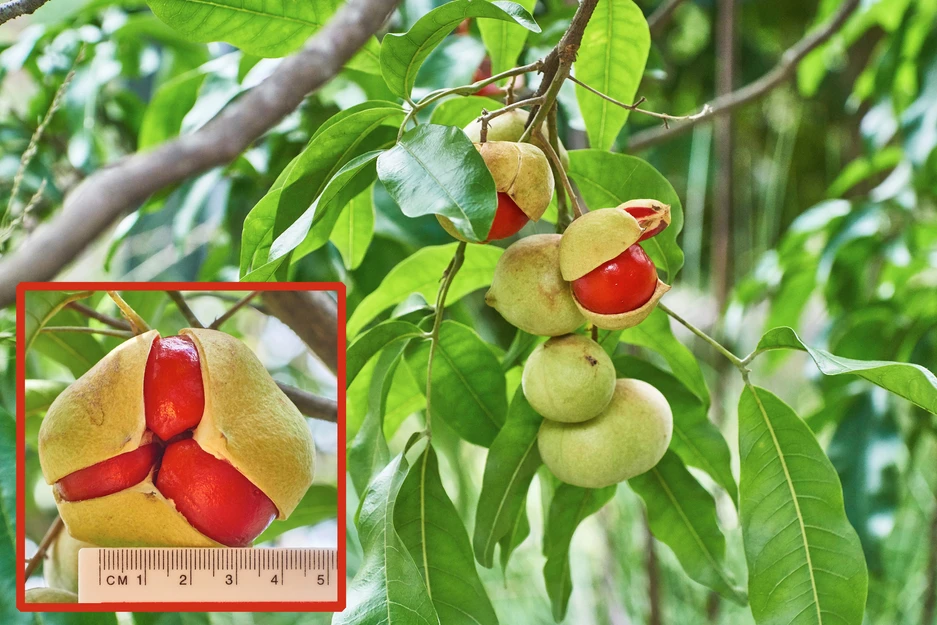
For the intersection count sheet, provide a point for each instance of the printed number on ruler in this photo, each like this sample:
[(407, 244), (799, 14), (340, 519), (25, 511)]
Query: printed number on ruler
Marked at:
[(203, 575)]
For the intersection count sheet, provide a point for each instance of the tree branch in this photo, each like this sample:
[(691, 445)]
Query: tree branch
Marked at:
[(311, 405), (659, 19), (87, 311), (112, 191), (754, 90), (241, 303), (179, 300), (16, 8), (313, 316)]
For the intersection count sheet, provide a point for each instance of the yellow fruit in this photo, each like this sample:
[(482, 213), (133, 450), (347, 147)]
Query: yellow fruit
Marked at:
[(247, 422), (595, 238), (569, 379), (60, 568), (528, 290), (509, 127), (50, 595), (627, 439)]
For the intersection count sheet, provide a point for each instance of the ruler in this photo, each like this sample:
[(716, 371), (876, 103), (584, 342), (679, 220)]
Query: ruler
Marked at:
[(207, 575)]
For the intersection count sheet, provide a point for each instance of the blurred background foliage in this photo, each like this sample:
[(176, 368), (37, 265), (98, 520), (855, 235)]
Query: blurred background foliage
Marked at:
[(827, 185)]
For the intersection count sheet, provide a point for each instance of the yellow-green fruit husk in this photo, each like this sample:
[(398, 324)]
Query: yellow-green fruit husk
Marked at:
[(509, 127), (595, 238), (60, 568), (625, 320), (248, 421), (627, 439), (569, 379), (50, 595), (528, 290)]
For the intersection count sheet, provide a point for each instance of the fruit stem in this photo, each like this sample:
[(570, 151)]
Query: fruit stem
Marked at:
[(91, 313), (44, 544), (217, 323), (735, 360), (137, 324), (124, 334), (454, 265), (183, 307), (636, 107), (558, 167)]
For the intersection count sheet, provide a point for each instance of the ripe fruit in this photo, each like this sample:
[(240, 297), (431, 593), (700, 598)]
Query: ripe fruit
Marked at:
[(219, 479), (619, 285), (482, 72), (652, 215), (569, 379), (523, 180), (528, 290), (50, 595), (627, 439), (60, 568), (509, 127)]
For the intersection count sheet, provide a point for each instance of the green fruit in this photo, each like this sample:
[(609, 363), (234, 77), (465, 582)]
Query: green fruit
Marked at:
[(60, 569), (569, 379), (627, 439), (50, 595), (528, 290)]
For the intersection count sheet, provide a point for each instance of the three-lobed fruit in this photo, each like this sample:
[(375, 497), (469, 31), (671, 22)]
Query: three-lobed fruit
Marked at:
[(569, 379), (627, 439), (254, 460), (528, 290)]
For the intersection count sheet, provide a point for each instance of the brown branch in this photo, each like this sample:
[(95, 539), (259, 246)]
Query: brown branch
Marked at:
[(124, 334), (311, 405), (659, 19), (217, 323), (50, 536), (17, 8), (754, 90), (87, 311), (112, 191), (313, 316), (190, 317)]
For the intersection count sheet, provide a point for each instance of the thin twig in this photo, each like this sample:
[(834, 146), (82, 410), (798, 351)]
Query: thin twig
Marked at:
[(217, 323), (124, 334), (754, 90), (190, 317), (107, 320), (735, 360), (636, 107), (224, 297), (659, 19), (17, 8), (558, 167), (137, 324), (44, 544), (311, 405), (487, 116)]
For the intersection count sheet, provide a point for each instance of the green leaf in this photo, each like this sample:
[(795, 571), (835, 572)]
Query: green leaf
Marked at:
[(346, 135), (388, 588), (654, 333), (436, 170), (913, 382), (606, 179), (682, 515), (368, 453), (803, 555), (611, 59), (420, 273), (513, 539), (504, 40), (8, 565), (261, 29), (317, 505), (429, 526), (569, 507), (373, 341), (460, 112), (163, 116), (41, 306), (354, 229), (368, 58), (41, 393), (402, 54), (404, 399), (697, 441), (468, 388), (77, 351), (512, 462)]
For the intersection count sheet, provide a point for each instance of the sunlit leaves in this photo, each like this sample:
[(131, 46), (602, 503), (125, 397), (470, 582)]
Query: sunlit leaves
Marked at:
[(41, 306), (611, 59), (368, 453), (460, 112), (374, 340), (803, 556), (504, 40), (354, 229)]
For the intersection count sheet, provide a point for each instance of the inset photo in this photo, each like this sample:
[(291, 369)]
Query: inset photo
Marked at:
[(180, 447)]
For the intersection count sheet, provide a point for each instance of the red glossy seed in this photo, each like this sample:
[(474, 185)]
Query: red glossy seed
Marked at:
[(172, 387), (109, 476), (620, 285), (509, 219), (646, 211), (213, 496)]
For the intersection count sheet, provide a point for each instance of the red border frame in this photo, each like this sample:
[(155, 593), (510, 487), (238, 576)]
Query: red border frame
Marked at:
[(241, 606)]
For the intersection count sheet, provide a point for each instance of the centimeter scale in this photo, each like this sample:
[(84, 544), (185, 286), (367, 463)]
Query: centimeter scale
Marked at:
[(206, 575)]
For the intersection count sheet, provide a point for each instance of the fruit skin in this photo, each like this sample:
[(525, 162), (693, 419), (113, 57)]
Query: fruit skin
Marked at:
[(625, 320), (50, 595), (172, 389), (109, 476), (595, 238), (620, 285), (509, 127), (627, 439), (509, 219), (60, 569), (213, 496), (653, 215), (528, 290), (569, 379)]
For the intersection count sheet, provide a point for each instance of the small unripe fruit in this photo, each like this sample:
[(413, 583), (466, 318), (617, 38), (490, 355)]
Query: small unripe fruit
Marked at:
[(528, 290), (50, 595), (509, 127), (627, 439), (620, 285), (234, 454), (569, 379), (60, 568)]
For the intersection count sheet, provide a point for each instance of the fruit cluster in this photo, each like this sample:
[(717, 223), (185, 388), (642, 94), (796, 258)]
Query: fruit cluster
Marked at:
[(182, 441)]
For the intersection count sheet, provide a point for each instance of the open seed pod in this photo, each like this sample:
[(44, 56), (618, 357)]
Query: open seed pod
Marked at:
[(595, 238), (509, 127), (653, 215), (528, 290), (625, 320), (245, 457)]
